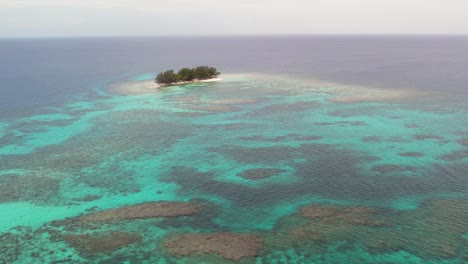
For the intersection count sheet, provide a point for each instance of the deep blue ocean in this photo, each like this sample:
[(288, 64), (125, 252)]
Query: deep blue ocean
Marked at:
[(311, 149)]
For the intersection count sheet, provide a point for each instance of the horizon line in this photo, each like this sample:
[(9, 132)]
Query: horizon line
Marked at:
[(247, 35)]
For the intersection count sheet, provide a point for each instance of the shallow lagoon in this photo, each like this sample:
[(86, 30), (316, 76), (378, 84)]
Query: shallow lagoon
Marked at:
[(302, 170)]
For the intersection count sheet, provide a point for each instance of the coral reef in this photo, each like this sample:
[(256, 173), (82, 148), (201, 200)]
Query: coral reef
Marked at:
[(393, 168), (229, 245), (427, 136), (258, 174), (432, 231), (100, 243), (411, 154), (463, 142), (351, 123), (15, 187), (454, 155), (142, 211), (235, 101)]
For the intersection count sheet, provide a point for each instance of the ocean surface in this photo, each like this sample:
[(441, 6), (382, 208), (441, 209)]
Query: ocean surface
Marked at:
[(320, 149)]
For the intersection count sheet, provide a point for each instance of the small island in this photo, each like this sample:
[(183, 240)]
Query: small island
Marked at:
[(187, 76)]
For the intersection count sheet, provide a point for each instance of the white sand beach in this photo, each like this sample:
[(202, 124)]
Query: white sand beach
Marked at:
[(217, 79), (149, 86)]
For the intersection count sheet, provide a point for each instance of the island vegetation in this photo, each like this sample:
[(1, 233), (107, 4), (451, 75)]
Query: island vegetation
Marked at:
[(186, 75)]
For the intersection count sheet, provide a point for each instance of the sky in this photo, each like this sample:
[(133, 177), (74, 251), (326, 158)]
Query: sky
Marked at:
[(73, 18)]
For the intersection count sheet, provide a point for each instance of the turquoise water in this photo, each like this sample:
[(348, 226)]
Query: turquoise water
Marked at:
[(254, 151)]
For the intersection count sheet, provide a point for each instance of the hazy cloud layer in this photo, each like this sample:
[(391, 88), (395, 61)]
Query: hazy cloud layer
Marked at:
[(225, 17)]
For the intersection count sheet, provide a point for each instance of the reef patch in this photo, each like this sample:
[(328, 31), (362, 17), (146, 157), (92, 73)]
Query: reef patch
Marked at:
[(15, 188), (411, 154), (455, 155), (229, 245), (100, 243), (351, 123), (143, 211), (463, 142), (393, 168), (427, 136), (262, 173), (358, 215)]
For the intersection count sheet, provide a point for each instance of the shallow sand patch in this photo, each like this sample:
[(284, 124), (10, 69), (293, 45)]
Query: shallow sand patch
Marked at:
[(147, 86), (229, 245), (134, 87), (363, 94), (345, 93)]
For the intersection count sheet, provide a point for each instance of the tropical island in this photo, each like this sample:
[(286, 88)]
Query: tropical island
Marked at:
[(187, 76)]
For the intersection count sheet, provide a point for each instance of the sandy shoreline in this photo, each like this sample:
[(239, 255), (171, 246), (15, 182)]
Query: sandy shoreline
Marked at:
[(338, 92), (157, 85), (148, 86)]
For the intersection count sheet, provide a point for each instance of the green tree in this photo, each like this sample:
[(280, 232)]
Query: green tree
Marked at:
[(205, 72), (186, 74), (166, 77)]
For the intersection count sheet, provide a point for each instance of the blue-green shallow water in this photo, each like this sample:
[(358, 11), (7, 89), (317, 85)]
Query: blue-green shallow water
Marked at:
[(406, 158)]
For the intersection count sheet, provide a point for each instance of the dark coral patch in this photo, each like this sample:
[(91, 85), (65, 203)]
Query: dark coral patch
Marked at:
[(350, 123), (455, 155), (392, 168), (374, 139), (258, 174), (211, 108), (379, 139), (27, 187), (411, 154), (265, 139), (100, 243), (463, 142), (411, 126), (441, 226), (87, 198), (262, 155), (229, 245), (281, 138), (326, 171), (298, 106), (142, 211), (327, 224), (308, 138), (10, 246), (434, 230), (332, 214), (427, 136)]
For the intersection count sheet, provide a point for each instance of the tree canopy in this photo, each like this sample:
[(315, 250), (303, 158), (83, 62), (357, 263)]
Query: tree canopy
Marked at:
[(187, 75)]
